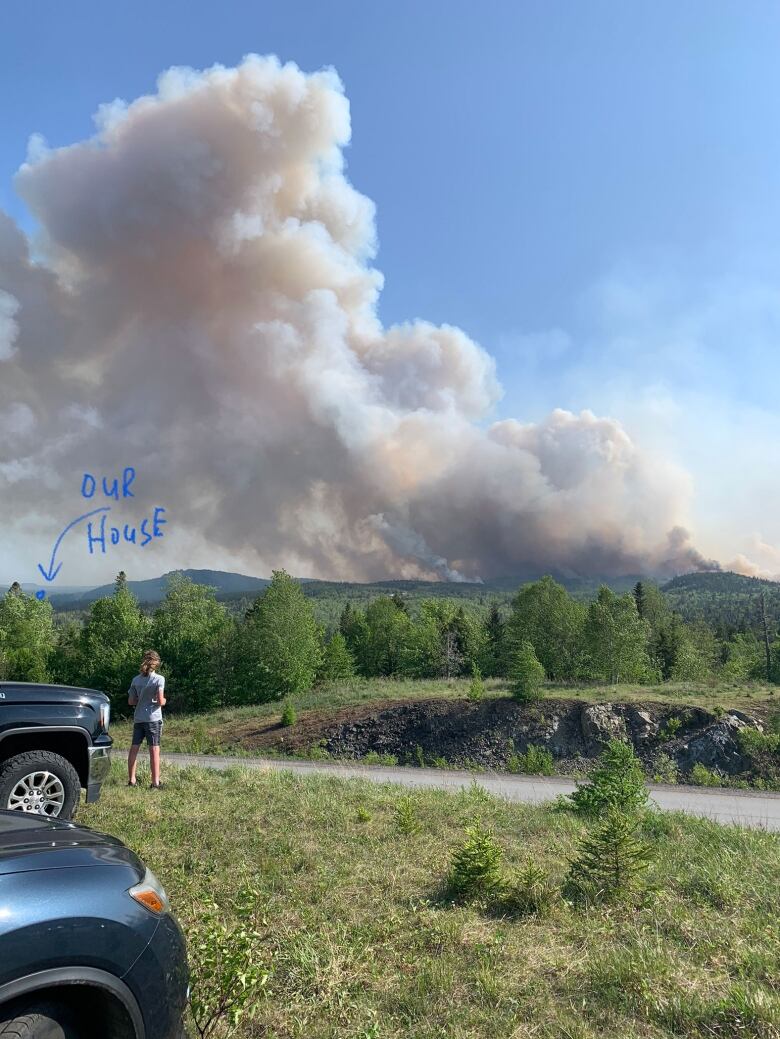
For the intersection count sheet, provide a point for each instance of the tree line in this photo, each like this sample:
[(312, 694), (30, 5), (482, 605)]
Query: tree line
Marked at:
[(276, 649)]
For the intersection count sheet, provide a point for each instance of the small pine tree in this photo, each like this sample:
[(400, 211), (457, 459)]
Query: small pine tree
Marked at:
[(289, 715), (532, 891), (617, 783), (612, 859), (475, 871), (526, 674), (477, 685)]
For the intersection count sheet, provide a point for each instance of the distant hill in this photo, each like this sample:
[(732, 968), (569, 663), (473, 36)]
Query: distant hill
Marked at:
[(154, 589), (723, 598), (232, 587)]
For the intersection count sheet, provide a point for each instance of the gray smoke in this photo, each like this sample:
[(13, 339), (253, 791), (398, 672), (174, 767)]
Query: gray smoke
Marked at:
[(200, 303)]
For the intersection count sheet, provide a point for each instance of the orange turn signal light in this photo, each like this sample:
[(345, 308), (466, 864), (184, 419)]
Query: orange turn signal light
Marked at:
[(150, 894), (149, 898)]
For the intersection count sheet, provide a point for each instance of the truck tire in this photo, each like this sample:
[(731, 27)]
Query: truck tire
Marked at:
[(40, 781), (42, 1020)]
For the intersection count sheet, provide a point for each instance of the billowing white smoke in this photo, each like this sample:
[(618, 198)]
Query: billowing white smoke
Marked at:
[(202, 306)]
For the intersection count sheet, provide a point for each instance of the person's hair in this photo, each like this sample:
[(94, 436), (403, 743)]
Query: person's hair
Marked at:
[(150, 662)]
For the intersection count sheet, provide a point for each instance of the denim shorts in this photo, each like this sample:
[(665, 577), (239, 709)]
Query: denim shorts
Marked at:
[(151, 730)]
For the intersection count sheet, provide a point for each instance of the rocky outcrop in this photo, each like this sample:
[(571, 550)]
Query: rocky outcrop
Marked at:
[(488, 733), (718, 746)]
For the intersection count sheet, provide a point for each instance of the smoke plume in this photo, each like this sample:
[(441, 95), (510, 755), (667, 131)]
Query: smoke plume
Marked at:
[(200, 303)]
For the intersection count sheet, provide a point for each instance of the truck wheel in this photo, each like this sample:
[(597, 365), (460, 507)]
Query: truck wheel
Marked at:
[(41, 1020), (42, 782)]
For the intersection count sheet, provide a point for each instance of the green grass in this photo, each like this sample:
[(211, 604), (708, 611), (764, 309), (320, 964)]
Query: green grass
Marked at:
[(210, 733), (362, 944)]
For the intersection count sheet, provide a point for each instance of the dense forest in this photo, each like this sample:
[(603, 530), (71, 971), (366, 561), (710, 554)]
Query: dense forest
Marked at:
[(280, 643)]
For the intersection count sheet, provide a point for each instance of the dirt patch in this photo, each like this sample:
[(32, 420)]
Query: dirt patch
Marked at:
[(488, 734)]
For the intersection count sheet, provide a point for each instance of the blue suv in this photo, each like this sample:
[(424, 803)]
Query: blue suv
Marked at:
[(88, 946)]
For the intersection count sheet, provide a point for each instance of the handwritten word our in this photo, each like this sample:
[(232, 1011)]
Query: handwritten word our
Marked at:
[(89, 485)]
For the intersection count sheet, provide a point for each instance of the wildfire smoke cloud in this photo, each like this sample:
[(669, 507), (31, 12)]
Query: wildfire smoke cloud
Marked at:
[(202, 304)]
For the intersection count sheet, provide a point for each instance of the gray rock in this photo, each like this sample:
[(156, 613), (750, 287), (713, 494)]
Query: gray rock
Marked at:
[(601, 723), (642, 725), (717, 747)]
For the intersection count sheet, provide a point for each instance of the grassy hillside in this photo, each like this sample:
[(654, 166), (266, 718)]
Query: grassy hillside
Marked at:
[(360, 942)]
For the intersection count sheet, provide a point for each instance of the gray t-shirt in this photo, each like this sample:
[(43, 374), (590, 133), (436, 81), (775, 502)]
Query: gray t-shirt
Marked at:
[(147, 688)]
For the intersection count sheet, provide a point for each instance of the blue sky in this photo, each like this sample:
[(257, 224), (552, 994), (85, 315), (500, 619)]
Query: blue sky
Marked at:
[(590, 190)]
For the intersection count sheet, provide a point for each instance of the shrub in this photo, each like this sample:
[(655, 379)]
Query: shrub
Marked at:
[(406, 816), (476, 686), (526, 674), (617, 782), (763, 749), (419, 757), (702, 776), (612, 859), (532, 892), (363, 815), (671, 727), (536, 761), (475, 870), (318, 753), (665, 770), (289, 715), (753, 742), (229, 967), (374, 758)]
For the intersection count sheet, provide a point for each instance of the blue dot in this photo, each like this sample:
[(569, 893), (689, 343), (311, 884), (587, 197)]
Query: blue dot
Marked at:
[(40, 594)]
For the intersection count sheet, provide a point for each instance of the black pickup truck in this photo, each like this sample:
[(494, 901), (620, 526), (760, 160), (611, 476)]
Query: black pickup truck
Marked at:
[(53, 741)]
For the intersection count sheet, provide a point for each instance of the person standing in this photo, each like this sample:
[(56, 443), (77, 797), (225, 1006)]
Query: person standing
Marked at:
[(147, 695)]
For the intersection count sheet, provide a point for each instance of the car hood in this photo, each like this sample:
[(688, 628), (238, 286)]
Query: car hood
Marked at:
[(30, 842)]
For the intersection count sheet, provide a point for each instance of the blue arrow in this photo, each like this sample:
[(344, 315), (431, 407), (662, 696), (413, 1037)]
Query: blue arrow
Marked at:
[(51, 573)]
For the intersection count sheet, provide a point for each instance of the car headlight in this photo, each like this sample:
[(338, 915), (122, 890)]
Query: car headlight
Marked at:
[(105, 716), (151, 894)]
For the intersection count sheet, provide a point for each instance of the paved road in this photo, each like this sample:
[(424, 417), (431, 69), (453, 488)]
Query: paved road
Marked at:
[(745, 807)]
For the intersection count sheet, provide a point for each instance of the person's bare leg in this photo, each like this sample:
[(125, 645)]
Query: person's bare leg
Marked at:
[(131, 760), (154, 761)]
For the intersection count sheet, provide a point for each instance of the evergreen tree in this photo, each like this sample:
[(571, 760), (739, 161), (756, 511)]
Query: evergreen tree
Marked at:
[(526, 674), (337, 662), (280, 647), (639, 599), (476, 867), (476, 686), (112, 643), (493, 653), (617, 782), (612, 859)]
